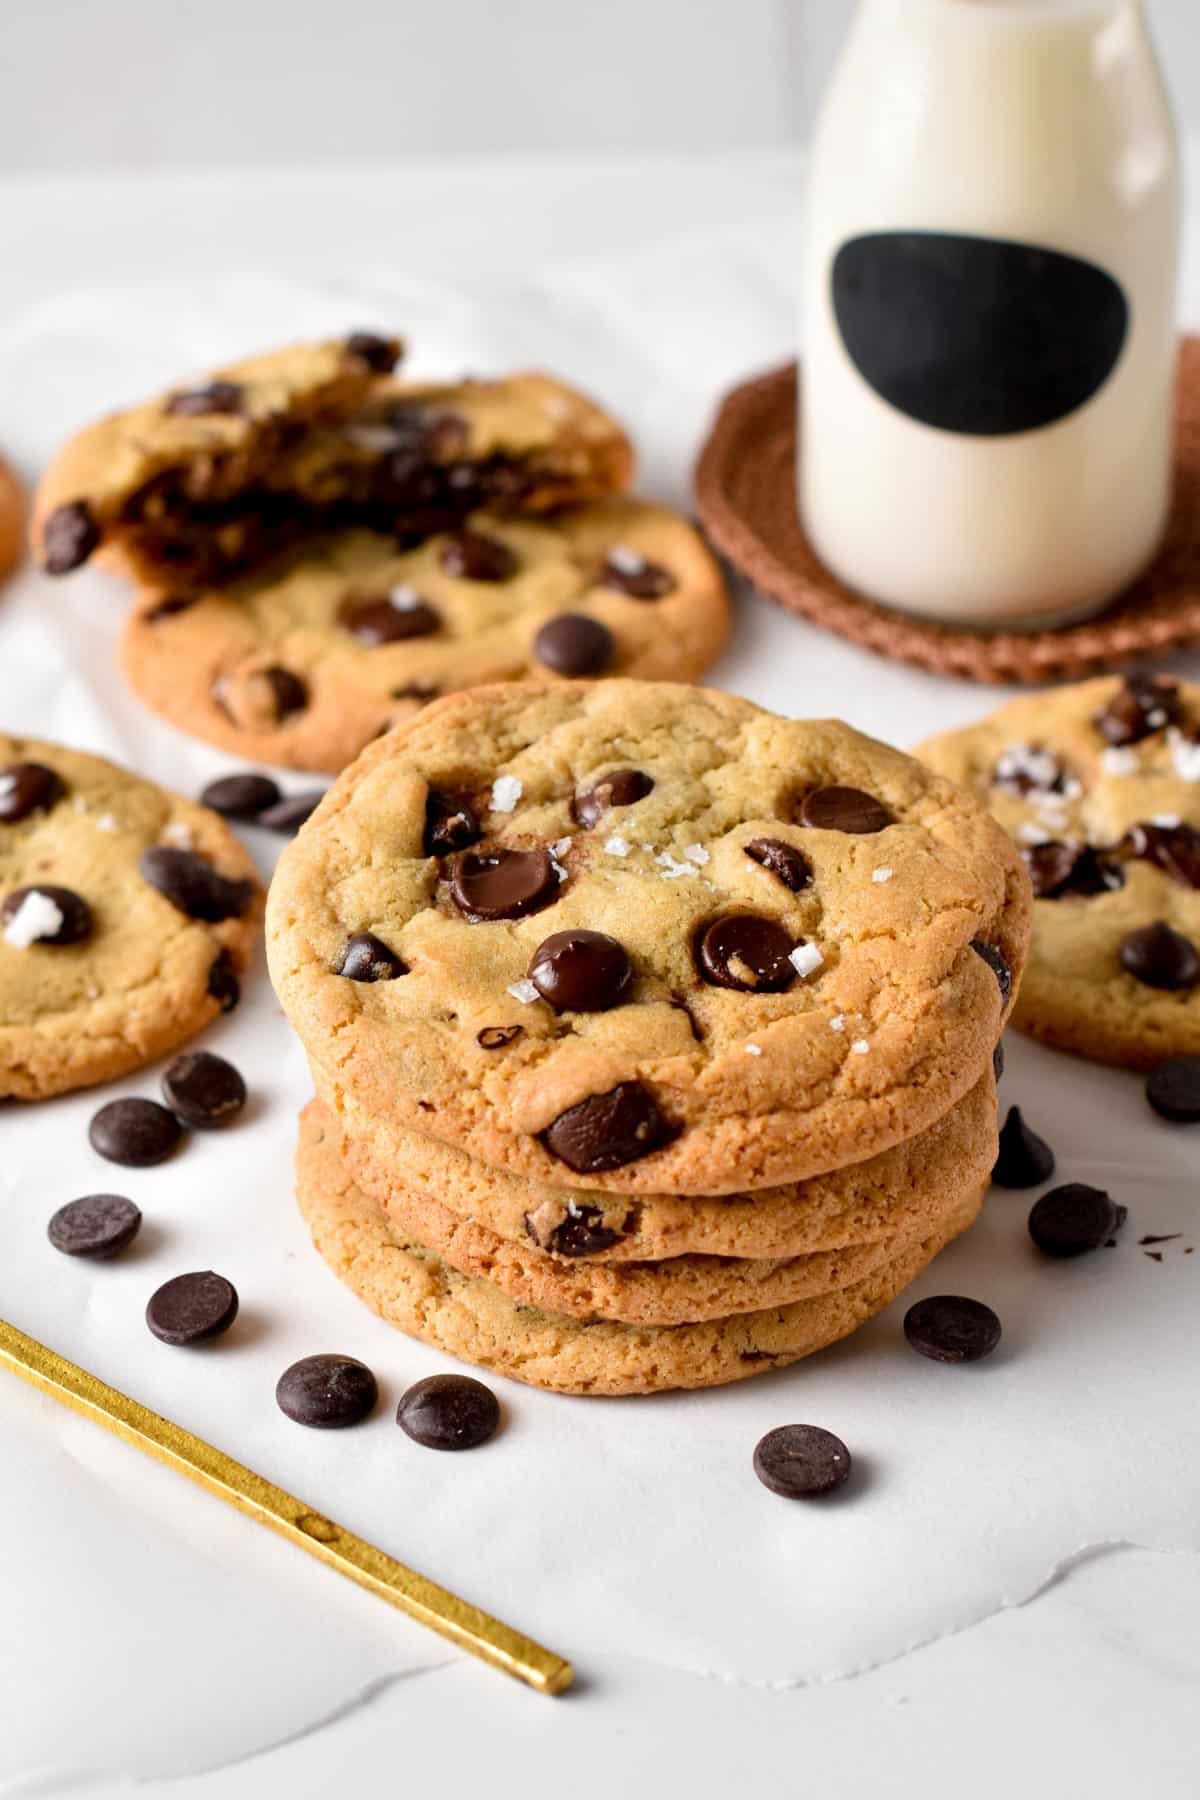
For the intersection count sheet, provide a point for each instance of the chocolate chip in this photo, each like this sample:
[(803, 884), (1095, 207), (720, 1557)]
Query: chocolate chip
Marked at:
[(496, 1037), (502, 884), (421, 691), (636, 576), (213, 397), (449, 1412), (1173, 1089), (380, 354), (998, 1060), (69, 537), (427, 432), (290, 813), (193, 886), (75, 915), (450, 823), (1061, 870), (1025, 1159), (582, 1233), (997, 963), (367, 958), (203, 1090), (949, 1328), (747, 953), (622, 788), (581, 971), (790, 865), (27, 788), (136, 1133), (606, 1131), (223, 982), (327, 1392), (1175, 849), (169, 607), (844, 809), (799, 1461), (98, 1226), (289, 694), (573, 644), (1071, 1220), (241, 796), (382, 621), (470, 556), (1160, 957), (192, 1308), (1142, 705)]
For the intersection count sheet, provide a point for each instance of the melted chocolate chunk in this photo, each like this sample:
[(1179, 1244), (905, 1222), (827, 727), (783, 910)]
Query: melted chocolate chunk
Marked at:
[(497, 1037), (382, 621), (380, 354), (223, 982), (844, 809), (1175, 849), (75, 915), (622, 788), (582, 1233), (1160, 957), (800, 1461), (950, 1328), (288, 693), (367, 958), (193, 886), (1071, 1220), (28, 788), (747, 953), (449, 1412), (213, 397), (634, 575), (790, 865), (997, 963), (607, 1131), (502, 884), (581, 971), (574, 644), (1061, 871), (428, 432), (450, 824), (1025, 1159), (471, 556), (1143, 705), (69, 537)]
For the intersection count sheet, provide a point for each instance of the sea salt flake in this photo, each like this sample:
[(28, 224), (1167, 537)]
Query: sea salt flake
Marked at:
[(1032, 834), (618, 846), (1167, 821), (805, 959), (838, 1022), (626, 561), (37, 917), (882, 874), (696, 853), (1022, 762), (1119, 759), (671, 868), (506, 791), (1185, 755), (525, 992), (106, 822), (177, 833), (561, 846), (8, 787), (753, 1049), (405, 599), (860, 1046)]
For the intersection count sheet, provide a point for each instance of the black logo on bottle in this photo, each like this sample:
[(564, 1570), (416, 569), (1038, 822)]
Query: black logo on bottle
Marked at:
[(975, 334)]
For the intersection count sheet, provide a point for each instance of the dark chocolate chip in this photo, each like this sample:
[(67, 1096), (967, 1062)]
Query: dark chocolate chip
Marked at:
[(790, 865), (1064, 870), (1160, 957), (471, 556), (327, 1392), (168, 607), (289, 694), (213, 397), (450, 823), (582, 1233), (607, 1131), (193, 886), (997, 963), (998, 1060), (290, 813), (223, 982), (241, 796), (747, 953), (27, 788), (502, 884), (949, 1328), (69, 537), (1025, 1159), (1071, 1220), (203, 1090), (581, 971), (1175, 849), (380, 354), (192, 1308), (1173, 1089), (380, 620), (844, 809), (636, 576), (449, 1412), (573, 644), (799, 1461), (1142, 705), (98, 1226), (136, 1133), (421, 691), (622, 788), (496, 1037), (367, 958), (75, 915), (426, 432)]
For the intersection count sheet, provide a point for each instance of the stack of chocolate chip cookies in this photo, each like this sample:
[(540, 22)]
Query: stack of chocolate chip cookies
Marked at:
[(652, 1034)]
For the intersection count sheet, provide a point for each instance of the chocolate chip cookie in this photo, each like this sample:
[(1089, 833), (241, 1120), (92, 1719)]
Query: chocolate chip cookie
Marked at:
[(647, 935), (305, 661), (1099, 785), (206, 481), (470, 1318), (127, 916), (12, 514)]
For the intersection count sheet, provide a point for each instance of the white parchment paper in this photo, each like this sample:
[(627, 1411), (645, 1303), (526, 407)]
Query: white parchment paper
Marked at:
[(601, 1526)]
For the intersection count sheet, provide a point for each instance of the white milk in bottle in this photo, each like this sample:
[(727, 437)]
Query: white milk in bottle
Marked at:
[(989, 349)]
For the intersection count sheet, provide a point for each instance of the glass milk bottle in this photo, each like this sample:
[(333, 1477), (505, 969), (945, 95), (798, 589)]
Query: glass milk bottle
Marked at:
[(989, 353)]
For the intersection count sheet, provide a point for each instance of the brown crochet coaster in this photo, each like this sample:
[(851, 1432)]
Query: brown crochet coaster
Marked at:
[(745, 494)]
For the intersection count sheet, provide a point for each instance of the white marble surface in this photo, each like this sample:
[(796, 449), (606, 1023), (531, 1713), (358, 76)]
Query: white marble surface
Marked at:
[(1083, 1690)]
